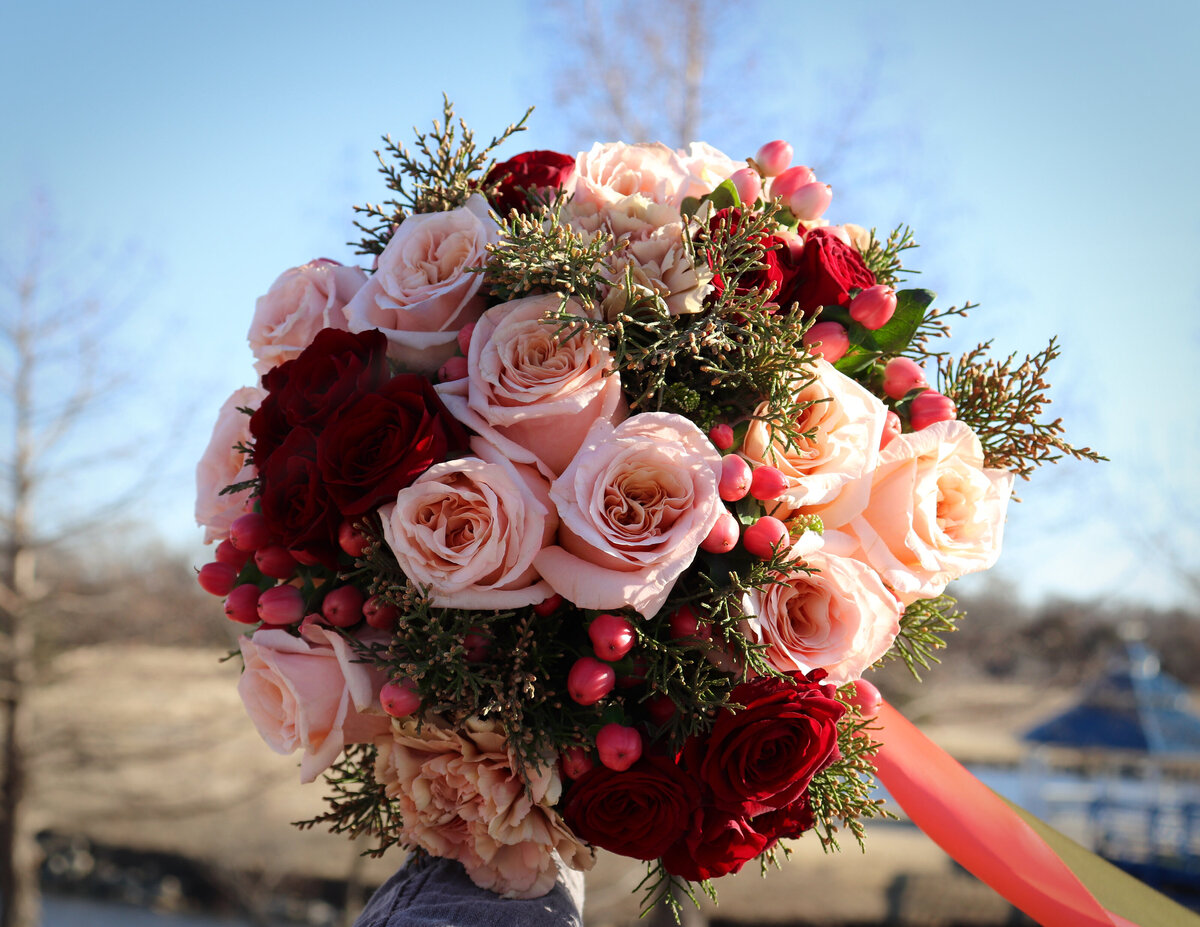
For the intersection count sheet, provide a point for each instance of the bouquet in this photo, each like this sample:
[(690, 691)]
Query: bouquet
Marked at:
[(578, 520)]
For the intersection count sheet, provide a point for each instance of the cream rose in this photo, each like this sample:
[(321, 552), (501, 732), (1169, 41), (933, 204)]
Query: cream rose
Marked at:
[(935, 512), (222, 466), (309, 693), (529, 391), (469, 529), (423, 290), (707, 168), (634, 505), (460, 798), (839, 618), (300, 303), (610, 171)]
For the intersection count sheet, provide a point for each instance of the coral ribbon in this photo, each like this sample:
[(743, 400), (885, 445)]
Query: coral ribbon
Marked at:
[(980, 830)]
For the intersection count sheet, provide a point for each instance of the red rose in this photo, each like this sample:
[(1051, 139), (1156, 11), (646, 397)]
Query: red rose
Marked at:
[(531, 170), (788, 823), (384, 441), (824, 272), (299, 513), (767, 279), (762, 757), (639, 812), (718, 843)]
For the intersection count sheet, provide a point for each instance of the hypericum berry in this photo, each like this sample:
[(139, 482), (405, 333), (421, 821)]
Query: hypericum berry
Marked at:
[(249, 532), (810, 201), (477, 643), (721, 437), (227, 553), (343, 606), (619, 746), (901, 376), (303, 557), (685, 624), (735, 478), (380, 614), (791, 180), (660, 707), (612, 636), (281, 605), (867, 698), (891, 429), (724, 534), (464, 338), (400, 697), (455, 368), (765, 537), (351, 540), (275, 561), (217, 578), (930, 407), (828, 340), (768, 483), (774, 157), (548, 607), (590, 680), (576, 761), (748, 185), (874, 307), (241, 605)]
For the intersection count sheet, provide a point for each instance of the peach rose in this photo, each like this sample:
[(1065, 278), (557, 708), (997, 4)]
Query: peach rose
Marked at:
[(634, 505), (613, 170), (846, 422), (300, 303), (531, 393), (460, 797), (468, 530), (707, 168), (839, 618), (309, 693), (935, 512), (222, 466), (423, 290)]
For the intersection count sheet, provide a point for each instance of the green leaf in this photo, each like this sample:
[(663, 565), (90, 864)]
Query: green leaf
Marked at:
[(689, 206), (866, 345), (724, 196)]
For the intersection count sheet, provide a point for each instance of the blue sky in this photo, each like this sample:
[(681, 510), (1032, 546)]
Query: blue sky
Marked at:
[(1044, 153)]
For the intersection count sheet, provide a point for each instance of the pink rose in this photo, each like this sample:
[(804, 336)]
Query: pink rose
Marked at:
[(300, 303), (530, 392), (614, 170), (222, 466), (846, 422), (469, 529), (309, 693), (707, 168), (839, 618), (634, 505), (935, 512), (423, 290)]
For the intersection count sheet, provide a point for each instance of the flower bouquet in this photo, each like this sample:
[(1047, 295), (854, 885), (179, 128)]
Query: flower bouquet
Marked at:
[(578, 520)]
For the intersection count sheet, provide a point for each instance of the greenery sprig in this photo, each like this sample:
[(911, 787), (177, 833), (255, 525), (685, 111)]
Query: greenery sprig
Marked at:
[(357, 803), (923, 629), (841, 795)]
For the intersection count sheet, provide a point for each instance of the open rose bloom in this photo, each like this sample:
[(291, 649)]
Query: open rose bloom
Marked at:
[(551, 532)]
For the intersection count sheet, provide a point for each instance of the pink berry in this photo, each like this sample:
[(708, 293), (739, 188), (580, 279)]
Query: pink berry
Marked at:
[(874, 307), (380, 614), (867, 698), (281, 605), (303, 557), (724, 535), (619, 746), (454, 369), (810, 201), (685, 624), (249, 532), (721, 437), (227, 553), (478, 644), (891, 429), (735, 478), (351, 540), (464, 338), (768, 483), (901, 376), (765, 537), (343, 606), (930, 407), (612, 636), (242, 604), (660, 708), (576, 762), (590, 680), (275, 561), (549, 606), (748, 184), (400, 697), (790, 181), (217, 578), (828, 340), (774, 157)]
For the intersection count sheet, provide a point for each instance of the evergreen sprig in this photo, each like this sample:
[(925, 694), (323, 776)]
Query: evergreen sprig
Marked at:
[(883, 257), (936, 324), (840, 796), (659, 887), (923, 629), (358, 805)]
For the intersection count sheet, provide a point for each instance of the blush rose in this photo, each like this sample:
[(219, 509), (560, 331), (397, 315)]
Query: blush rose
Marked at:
[(220, 466)]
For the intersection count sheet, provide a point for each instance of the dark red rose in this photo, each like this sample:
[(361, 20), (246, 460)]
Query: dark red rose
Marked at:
[(767, 279), (823, 273), (762, 757), (639, 812), (299, 513), (717, 844), (543, 170), (788, 823), (384, 441)]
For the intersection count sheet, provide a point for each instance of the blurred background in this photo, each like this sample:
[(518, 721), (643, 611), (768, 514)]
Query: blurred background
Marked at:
[(161, 164)]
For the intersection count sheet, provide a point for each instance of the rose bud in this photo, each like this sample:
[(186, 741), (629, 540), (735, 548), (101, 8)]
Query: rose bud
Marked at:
[(660, 707), (576, 761), (281, 605), (227, 553), (901, 376), (590, 680), (828, 340), (685, 624), (790, 181), (721, 437), (477, 643), (242, 604), (400, 697), (249, 532), (217, 578), (454, 369), (464, 338), (874, 307), (867, 698), (547, 607), (612, 636), (767, 483), (765, 537), (275, 561), (891, 429), (380, 613), (774, 157), (748, 184), (619, 746), (724, 535), (930, 407), (809, 202), (735, 478), (343, 606)]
